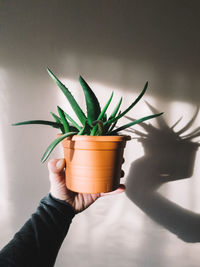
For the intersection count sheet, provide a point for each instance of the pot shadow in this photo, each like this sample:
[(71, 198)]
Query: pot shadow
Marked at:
[(168, 156)]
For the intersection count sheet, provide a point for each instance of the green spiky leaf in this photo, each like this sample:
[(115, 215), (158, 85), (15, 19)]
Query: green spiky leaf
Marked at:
[(58, 120), (134, 122), (104, 118), (102, 114), (113, 125), (92, 103), (85, 130), (63, 119), (113, 115), (72, 121), (43, 122), (105, 108), (98, 126), (80, 114), (54, 144), (130, 107)]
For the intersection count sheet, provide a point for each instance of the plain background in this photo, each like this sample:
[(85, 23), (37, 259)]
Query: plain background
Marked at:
[(114, 45)]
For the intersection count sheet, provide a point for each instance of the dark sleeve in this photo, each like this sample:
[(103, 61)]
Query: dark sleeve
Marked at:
[(39, 240)]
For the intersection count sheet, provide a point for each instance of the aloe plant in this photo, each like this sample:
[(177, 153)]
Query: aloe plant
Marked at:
[(94, 123)]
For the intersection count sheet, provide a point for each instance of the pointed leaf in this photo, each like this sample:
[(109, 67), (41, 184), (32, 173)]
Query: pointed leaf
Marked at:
[(54, 144), (85, 130), (63, 119), (72, 121), (43, 122), (105, 108), (114, 113), (102, 114), (104, 118), (130, 107), (147, 127), (134, 122), (57, 119), (80, 114), (99, 127), (92, 103), (113, 125)]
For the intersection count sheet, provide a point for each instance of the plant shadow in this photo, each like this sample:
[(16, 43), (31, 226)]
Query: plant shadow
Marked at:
[(169, 156)]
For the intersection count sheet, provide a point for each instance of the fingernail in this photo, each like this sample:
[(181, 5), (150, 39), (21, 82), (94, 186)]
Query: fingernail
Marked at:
[(59, 163)]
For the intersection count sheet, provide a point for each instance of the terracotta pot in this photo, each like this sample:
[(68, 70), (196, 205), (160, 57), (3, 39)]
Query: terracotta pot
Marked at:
[(93, 162)]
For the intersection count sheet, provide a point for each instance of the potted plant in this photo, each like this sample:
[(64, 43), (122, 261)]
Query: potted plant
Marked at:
[(93, 148)]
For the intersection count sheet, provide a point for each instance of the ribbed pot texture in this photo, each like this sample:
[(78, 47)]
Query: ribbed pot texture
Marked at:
[(93, 163)]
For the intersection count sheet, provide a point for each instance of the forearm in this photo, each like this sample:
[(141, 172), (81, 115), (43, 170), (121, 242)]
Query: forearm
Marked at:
[(38, 241)]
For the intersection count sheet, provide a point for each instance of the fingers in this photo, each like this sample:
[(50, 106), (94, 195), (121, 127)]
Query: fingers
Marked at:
[(119, 190), (56, 165), (56, 169)]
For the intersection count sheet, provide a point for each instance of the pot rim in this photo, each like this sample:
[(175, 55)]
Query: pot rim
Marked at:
[(105, 138)]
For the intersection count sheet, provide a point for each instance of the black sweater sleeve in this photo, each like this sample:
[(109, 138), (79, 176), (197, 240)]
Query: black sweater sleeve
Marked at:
[(39, 240)]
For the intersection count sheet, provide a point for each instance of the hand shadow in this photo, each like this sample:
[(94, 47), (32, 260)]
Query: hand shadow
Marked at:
[(168, 157)]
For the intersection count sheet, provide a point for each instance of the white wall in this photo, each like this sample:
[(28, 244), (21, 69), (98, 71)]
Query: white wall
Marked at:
[(115, 45)]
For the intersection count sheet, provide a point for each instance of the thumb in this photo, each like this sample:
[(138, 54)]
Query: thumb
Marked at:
[(56, 169)]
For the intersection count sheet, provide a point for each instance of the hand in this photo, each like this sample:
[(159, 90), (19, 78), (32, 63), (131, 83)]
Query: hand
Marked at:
[(59, 190)]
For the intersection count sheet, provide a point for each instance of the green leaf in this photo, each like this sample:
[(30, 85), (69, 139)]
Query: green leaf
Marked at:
[(130, 107), (100, 128), (114, 113), (80, 114), (104, 118), (134, 122), (54, 144), (72, 121), (57, 119), (102, 114), (63, 119), (72, 128), (85, 130), (105, 108), (43, 122), (92, 103), (113, 125)]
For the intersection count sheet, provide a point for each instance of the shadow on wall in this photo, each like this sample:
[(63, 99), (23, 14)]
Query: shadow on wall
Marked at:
[(169, 156)]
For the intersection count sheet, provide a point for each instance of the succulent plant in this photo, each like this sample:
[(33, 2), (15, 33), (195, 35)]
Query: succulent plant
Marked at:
[(95, 123)]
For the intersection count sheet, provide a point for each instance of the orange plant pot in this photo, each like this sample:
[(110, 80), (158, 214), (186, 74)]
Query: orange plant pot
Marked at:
[(93, 163)]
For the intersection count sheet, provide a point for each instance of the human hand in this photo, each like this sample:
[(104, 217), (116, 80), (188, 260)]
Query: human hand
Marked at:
[(58, 189)]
